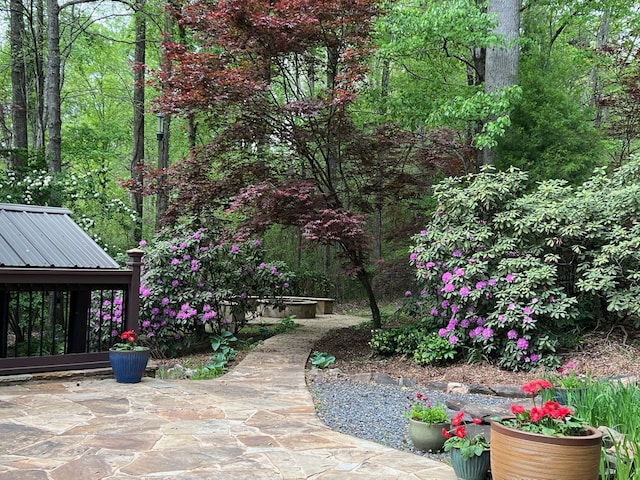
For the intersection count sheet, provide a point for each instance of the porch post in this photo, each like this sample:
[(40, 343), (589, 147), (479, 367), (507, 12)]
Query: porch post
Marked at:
[(133, 296)]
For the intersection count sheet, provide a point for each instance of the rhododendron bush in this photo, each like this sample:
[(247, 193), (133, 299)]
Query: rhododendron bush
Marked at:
[(502, 268), (193, 283)]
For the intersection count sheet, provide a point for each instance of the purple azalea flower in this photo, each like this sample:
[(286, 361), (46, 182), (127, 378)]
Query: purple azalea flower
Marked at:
[(448, 288), (487, 333), (464, 323), (453, 339), (235, 248), (459, 272), (407, 293), (512, 334), (480, 285), (522, 343), (430, 265), (442, 332), (464, 292), (444, 304), (456, 253), (434, 311), (446, 277), (455, 308), (509, 278)]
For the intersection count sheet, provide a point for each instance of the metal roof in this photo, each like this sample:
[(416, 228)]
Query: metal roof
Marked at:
[(45, 237)]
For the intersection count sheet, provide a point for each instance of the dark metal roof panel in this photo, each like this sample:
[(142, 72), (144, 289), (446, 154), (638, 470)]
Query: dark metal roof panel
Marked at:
[(43, 237)]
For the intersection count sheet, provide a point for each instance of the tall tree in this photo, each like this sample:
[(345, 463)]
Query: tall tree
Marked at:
[(137, 155), (52, 88), (19, 87), (501, 61)]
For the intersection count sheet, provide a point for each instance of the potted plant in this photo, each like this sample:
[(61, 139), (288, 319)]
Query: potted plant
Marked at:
[(544, 442), (128, 359), (568, 385), (470, 457), (426, 421)]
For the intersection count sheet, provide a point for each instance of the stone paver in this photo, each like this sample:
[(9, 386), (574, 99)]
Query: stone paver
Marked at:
[(256, 422)]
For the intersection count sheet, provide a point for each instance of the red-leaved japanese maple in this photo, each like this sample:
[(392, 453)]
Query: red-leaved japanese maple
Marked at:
[(274, 83)]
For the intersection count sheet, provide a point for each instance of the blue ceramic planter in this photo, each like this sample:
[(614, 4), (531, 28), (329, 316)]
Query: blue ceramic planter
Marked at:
[(129, 365)]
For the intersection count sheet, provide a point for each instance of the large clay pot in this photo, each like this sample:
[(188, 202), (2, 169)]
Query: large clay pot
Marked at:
[(129, 365), (427, 437), (474, 468), (518, 455)]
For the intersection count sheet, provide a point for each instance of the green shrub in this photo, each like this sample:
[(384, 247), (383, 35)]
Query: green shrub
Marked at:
[(383, 341), (434, 349), (399, 340)]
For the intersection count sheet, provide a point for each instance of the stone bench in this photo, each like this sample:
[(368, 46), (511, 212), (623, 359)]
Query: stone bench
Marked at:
[(299, 308)]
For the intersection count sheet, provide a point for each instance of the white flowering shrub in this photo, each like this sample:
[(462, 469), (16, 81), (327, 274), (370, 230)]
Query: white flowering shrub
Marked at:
[(95, 202)]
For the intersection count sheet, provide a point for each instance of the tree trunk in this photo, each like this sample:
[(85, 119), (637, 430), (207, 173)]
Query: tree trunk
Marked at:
[(501, 63), (39, 125), (52, 88), (595, 78), (137, 157), (20, 145), (365, 281)]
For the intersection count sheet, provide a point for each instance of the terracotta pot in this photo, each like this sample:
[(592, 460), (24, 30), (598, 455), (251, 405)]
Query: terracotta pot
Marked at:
[(427, 437), (518, 455)]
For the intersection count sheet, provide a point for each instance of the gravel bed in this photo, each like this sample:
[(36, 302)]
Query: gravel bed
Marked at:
[(375, 412)]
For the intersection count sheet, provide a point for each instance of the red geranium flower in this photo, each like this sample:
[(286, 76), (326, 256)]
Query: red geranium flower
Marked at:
[(532, 388)]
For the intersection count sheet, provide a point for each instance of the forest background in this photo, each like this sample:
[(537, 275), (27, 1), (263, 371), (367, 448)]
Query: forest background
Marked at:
[(309, 123)]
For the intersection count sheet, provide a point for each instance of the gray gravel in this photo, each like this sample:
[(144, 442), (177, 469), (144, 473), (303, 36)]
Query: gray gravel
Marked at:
[(375, 412)]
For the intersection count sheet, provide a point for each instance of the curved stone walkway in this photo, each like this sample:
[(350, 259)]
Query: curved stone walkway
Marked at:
[(256, 422)]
